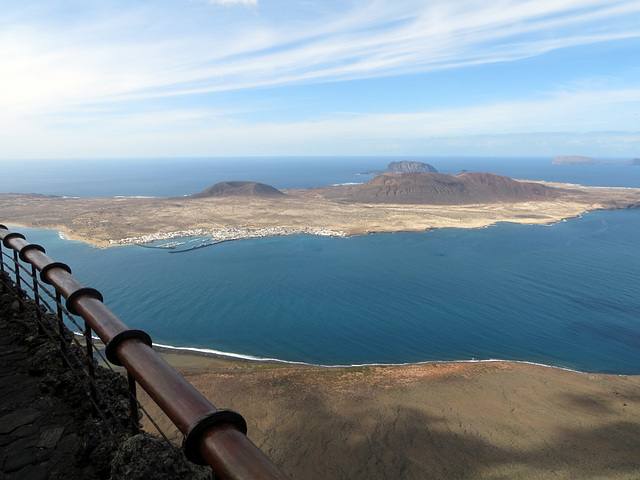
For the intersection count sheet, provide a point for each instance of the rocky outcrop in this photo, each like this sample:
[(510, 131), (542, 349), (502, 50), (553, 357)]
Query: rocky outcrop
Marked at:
[(46, 426), (409, 167), (404, 166), (239, 189), (144, 456)]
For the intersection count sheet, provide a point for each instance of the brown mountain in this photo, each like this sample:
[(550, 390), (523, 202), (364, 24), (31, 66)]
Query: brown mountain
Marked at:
[(443, 189), (240, 189)]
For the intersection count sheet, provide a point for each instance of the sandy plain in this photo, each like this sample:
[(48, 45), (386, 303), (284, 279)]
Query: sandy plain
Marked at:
[(497, 420), (99, 221)]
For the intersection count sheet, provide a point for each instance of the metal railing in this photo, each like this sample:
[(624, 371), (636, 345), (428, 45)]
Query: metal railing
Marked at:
[(212, 436)]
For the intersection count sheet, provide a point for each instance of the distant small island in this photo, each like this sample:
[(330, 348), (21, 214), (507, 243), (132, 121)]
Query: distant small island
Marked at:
[(581, 160), (404, 166)]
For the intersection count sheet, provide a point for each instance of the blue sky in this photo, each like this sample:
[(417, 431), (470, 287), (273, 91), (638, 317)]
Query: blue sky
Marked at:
[(85, 79)]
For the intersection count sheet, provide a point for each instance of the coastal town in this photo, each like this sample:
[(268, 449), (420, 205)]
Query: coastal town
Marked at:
[(219, 235)]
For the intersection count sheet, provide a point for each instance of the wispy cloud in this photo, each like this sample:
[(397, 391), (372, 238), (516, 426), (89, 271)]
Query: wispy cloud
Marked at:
[(386, 39), (137, 65), (381, 38), (231, 2)]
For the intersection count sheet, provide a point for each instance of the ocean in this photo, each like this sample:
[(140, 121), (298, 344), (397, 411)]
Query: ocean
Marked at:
[(564, 295)]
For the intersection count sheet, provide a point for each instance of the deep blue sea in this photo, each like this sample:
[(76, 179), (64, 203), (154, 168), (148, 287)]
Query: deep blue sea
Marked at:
[(565, 295)]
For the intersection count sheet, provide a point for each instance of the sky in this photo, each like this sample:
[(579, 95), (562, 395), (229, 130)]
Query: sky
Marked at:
[(210, 78)]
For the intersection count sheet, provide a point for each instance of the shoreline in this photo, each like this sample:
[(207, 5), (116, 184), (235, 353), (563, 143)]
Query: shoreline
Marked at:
[(241, 359), (204, 355), (238, 358), (249, 359), (145, 240)]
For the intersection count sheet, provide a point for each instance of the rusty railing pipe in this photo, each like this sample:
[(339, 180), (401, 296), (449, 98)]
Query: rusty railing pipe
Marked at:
[(182, 403), (225, 449)]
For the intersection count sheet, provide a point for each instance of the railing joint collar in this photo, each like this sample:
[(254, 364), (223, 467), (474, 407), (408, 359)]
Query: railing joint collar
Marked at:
[(112, 347), (11, 235), (26, 248), (81, 292), (191, 441), (46, 268)]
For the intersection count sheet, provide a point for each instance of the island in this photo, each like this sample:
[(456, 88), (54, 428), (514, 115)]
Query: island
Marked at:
[(580, 160), (390, 202)]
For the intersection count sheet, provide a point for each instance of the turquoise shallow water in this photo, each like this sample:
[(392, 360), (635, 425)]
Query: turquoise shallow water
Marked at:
[(564, 295)]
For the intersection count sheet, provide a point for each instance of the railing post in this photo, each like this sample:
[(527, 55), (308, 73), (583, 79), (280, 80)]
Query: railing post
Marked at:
[(36, 299), (18, 284), (61, 329), (2, 272), (91, 369), (134, 414)]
